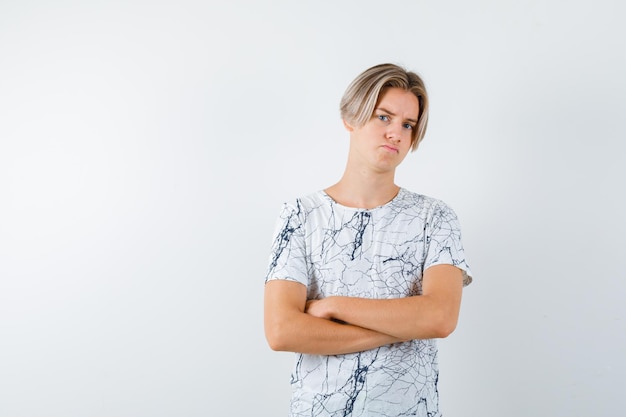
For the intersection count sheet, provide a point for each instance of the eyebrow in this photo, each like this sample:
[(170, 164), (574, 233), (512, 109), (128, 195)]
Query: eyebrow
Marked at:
[(393, 114)]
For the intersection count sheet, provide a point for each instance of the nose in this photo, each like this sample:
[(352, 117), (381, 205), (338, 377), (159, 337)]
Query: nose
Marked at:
[(394, 132)]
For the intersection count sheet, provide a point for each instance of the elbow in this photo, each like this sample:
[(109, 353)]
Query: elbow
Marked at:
[(276, 344), (444, 325), (276, 337), (444, 330)]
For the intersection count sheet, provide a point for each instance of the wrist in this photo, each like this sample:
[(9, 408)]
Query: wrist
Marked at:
[(333, 307)]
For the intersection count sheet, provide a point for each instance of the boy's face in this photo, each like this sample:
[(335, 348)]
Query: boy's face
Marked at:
[(384, 140)]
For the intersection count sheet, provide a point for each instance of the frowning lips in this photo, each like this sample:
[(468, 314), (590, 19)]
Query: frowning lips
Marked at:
[(391, 148)]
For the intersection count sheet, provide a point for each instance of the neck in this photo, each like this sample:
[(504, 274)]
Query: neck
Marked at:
[(363, 190)]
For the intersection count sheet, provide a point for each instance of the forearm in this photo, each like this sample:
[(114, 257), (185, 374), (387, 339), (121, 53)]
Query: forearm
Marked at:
[(303, 333), (417, 317), (434, 314)]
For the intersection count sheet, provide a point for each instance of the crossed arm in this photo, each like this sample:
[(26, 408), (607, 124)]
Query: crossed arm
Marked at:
[(293, 324)]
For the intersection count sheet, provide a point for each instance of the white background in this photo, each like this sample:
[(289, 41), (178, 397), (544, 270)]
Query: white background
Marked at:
[(146, 146)]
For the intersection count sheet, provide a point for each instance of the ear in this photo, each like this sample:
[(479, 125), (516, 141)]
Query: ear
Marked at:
[(347, 125)]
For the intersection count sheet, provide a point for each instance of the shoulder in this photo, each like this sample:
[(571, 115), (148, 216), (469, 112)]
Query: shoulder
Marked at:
[(302, 206), (307, 201), (423, 203)]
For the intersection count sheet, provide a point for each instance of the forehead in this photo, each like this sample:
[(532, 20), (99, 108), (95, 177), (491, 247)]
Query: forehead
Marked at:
[(399, 102)]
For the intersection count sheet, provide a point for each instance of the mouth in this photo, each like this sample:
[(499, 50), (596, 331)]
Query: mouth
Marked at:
[(390, 148)]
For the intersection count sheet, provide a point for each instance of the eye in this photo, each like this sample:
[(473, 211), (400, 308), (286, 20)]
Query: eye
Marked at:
[(409, 126), (383, 117)]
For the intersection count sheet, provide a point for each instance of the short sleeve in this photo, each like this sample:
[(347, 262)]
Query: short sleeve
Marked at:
[(288, 259), (443, 241)]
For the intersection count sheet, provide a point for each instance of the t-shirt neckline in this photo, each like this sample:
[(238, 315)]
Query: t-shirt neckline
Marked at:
[(387, 204)]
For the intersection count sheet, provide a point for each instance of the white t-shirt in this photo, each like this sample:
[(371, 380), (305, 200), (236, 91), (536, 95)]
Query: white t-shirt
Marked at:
[(374, 253)]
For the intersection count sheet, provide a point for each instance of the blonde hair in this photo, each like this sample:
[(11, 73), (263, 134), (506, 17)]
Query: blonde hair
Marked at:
[(360, 98)]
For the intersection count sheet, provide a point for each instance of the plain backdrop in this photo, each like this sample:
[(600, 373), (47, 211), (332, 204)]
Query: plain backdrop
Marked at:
[(146, 147)]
